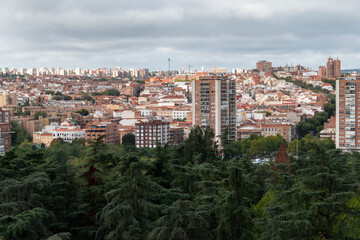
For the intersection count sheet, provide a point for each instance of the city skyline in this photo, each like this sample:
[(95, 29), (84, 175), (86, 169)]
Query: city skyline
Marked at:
[(137, 34)]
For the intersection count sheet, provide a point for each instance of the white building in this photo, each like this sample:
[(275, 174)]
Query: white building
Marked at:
[(69, 134)]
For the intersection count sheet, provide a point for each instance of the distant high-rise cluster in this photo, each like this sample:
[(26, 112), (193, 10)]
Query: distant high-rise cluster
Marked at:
[(264, 66), (332, 69)]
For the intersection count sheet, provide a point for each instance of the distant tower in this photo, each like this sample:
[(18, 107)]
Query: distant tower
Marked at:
[(333, 68), (169, 65)]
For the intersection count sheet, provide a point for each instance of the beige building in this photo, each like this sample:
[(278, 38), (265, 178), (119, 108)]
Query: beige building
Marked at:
[(8, 99), (214, 104), (42, 138)]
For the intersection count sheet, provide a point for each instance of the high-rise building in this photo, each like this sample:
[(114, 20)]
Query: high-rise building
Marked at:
[(333, 68), (264, 66), (214, 104), (347, 113), (5, 131), (322, 72)]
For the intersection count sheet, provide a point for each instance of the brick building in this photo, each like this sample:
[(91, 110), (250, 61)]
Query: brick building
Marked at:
[(333, 68), (5, 131), (347, 113), (149, 134), (98, 128), (264, 66)]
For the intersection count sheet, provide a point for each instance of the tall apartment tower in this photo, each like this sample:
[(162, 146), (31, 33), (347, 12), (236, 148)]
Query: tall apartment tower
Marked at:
[(322, 72), (263, 66), (347, 113), (333, 68), (214, 104), (5, 131)]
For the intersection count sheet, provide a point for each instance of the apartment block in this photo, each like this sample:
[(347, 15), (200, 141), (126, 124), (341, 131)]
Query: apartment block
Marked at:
[(214, 104), (347, 113), (5, 131), (98, 128), (149, 134), (333, 68), (287, 131), (8, 99), (264, 66)]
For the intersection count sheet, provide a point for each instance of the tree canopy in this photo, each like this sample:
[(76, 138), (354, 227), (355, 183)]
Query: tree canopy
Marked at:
[(307, 190)]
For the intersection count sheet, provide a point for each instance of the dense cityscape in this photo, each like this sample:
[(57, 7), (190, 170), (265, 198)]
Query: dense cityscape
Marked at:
[(179, 120), (85, 104)]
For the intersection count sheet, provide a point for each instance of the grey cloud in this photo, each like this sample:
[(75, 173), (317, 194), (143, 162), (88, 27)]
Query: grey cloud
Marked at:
[(140, 33)]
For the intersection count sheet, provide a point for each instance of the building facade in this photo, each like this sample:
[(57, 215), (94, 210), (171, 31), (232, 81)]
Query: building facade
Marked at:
[(5, 131), (264, 66), (69, 134), (287, 131), (333, 68), (98, 128), (347, 113), (149, 134), (214, 104)]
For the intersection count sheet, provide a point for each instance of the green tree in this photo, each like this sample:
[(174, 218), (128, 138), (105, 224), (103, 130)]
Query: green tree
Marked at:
[(316, 205), (21, 216), (128, 139), (130, 212), (181, 221), (111, 92), (234, 205), (19, 134), (200, 146), (83, 112), (40, 113)]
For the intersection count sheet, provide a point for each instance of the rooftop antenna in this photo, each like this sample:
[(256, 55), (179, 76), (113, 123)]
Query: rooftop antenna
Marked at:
[(169, 65)]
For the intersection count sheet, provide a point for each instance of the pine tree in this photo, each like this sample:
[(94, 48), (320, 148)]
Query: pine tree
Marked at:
[(313, 204), (130, 213), (233, 208), (181, 221), (21, 216)]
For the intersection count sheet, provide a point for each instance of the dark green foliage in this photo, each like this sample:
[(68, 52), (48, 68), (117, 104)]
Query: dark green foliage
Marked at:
[(200, 147), (111, 92), (58, 97), (130, 212), (83, 112), (50, 92), (40, 113), (181, 221), (313, 202), (191, 191), (233, 208), (128, 139), (19, 134)]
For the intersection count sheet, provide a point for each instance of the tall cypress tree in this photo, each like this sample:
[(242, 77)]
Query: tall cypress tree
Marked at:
[(130, 213)]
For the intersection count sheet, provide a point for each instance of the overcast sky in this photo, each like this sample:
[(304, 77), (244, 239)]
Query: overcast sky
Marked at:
[(209, 33)]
